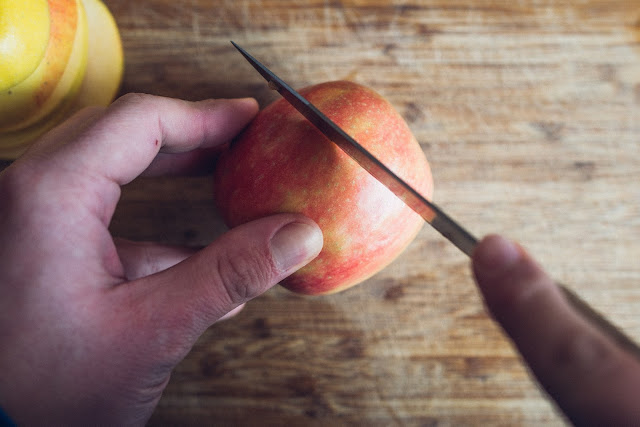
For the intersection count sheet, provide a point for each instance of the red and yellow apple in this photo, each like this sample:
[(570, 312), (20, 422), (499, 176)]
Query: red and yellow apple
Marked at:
[(282, 163)]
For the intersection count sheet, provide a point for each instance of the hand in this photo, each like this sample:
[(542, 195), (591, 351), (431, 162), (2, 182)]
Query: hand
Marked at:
[(593, 381), (91, 328)]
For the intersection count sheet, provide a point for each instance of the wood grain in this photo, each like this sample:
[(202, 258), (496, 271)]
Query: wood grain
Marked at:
[(529, 113)]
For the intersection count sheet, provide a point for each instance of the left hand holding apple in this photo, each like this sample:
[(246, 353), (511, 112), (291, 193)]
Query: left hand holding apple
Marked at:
[(91, 327)]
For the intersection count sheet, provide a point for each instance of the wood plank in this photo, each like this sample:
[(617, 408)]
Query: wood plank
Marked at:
[(529, 113)]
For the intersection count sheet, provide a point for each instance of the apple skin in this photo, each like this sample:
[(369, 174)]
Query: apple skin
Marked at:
[(282, 163), (33, 98), (24, 36), (96, 82)]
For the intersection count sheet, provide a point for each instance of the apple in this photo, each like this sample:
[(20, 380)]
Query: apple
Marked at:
[(105, 65), (24, 36), (40, 92), (282, 163), (92, 76)]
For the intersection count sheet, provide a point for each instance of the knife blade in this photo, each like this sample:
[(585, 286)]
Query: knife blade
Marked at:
[(431, 213)]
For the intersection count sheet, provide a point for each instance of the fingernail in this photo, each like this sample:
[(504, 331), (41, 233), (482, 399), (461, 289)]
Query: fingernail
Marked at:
[(295, 244), (495, 255)]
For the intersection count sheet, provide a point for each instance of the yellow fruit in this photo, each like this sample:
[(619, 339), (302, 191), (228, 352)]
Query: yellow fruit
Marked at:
[(13, 144), (106, 60), (64, 60), (99, 85), (24, 35)]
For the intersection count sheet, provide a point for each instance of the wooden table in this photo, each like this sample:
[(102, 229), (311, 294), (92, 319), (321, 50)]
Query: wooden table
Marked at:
[(529, 113)]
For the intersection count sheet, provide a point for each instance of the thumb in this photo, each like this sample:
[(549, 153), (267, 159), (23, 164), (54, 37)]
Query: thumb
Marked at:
[(240, 265), (589, 376)]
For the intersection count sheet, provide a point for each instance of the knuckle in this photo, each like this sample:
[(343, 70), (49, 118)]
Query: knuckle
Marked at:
[(244, 275), (132, 98), (132, 101), (582, 351)]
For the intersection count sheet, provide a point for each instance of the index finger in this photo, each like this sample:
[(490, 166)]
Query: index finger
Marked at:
[(122, 143), (592, 379)]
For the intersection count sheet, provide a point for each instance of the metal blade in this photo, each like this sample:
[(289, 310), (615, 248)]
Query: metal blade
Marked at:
[(431, 213)]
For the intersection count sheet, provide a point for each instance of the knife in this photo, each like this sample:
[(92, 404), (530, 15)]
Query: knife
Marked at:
[(431, 213)]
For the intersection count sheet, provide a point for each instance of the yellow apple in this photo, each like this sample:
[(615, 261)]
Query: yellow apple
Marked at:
[(24, 35), (98, 85), (14, 144), (106, 59), (63, 65)]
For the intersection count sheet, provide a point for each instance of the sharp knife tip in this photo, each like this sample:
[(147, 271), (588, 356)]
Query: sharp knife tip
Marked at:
[(237, 46), (243, 52)]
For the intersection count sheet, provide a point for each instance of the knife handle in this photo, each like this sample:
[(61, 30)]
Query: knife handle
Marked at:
[(600, 321)]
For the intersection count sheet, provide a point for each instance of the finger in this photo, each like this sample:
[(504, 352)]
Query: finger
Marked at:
[(125, 140), (193, 163), (239, 266), (64, 132), (141, 259), (591, 379)]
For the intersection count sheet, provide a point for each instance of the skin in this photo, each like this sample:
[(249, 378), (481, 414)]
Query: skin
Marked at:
[(593, 381), (91, 326)]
